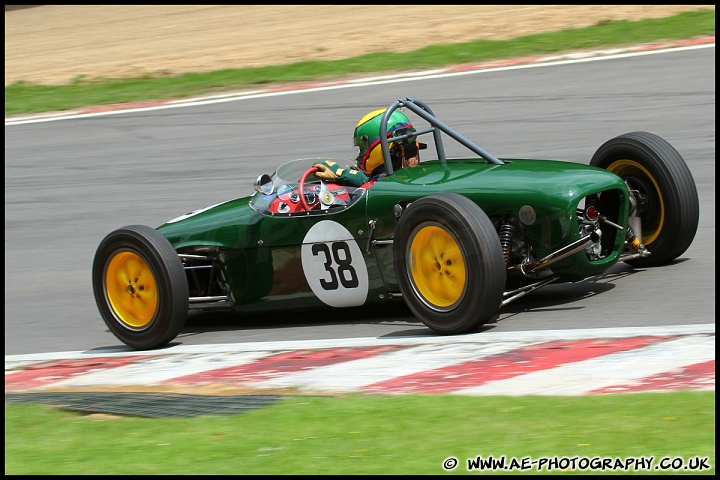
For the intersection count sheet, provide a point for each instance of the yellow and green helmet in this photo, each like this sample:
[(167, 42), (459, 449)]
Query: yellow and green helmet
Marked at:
[(367, 138)]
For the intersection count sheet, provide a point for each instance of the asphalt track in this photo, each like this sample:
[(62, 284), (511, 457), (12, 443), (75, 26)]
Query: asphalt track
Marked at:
[(676, 354)]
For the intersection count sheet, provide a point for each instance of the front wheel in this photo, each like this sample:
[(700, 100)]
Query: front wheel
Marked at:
[(140, 287), (449, 263), (663, 187)]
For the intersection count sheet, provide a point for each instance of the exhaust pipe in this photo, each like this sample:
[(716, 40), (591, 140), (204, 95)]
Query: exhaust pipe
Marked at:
[(208, 303)]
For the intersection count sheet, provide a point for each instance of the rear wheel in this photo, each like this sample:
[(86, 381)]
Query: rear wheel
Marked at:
[(140, 287), (449, 263), (664, 188)]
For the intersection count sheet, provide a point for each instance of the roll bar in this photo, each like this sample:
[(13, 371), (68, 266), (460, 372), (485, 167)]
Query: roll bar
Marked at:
[(436, 127)]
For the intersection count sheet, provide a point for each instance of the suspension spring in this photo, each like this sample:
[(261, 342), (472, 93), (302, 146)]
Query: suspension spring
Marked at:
[(506, 233), (632, 240)]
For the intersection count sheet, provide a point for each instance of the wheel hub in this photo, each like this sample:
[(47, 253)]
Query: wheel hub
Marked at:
[(131, 290), (437, 266)]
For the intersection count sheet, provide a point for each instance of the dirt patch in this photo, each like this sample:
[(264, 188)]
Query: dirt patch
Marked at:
[(54, 44)]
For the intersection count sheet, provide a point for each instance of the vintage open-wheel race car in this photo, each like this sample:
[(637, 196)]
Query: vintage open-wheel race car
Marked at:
[(456, 239)]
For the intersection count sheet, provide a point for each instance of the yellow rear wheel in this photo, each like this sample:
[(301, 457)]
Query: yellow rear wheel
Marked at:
[(131, 289), (140, 287)]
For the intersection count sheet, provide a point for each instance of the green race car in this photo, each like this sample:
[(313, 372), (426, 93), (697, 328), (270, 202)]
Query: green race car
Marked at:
[(456, 239)]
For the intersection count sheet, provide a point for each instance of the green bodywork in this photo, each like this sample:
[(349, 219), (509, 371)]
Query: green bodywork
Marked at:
[(260, 254)]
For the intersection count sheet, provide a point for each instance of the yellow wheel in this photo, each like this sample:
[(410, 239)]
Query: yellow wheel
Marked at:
[(639, 179), (437, 266), (140, 287), (131, 289), (449, 263), (660, 184)]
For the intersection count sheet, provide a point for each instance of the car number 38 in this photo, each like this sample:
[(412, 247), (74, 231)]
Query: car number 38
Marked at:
[(334, 266)]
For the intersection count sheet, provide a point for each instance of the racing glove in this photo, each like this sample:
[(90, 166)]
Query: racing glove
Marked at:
[(332, 172), (326, 170)]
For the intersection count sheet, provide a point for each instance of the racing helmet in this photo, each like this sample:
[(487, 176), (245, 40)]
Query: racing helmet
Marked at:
[(366, 137)]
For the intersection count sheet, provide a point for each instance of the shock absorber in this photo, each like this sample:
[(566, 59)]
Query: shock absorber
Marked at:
[(506, 238), (632, 240)]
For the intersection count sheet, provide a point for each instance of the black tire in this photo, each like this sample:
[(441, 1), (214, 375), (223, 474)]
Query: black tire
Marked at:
[(140, 287), (650, 165), (458, 285)]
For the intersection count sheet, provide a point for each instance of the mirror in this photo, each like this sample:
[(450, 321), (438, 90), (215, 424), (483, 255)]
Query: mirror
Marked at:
[(264, 184)]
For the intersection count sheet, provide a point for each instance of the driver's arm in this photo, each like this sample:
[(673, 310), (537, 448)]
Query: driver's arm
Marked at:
[(332, 172)]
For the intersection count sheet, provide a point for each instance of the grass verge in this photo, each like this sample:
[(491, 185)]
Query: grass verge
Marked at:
[(25, 98), (374, 434)]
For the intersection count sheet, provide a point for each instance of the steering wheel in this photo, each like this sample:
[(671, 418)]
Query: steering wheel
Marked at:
[(301, 187)]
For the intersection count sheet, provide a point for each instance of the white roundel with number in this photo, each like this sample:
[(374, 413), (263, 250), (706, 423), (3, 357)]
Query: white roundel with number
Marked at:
[(334, 265)]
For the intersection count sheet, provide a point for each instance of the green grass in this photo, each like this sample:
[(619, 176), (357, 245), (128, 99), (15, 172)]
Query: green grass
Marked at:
[(24, 97), (372, 434)]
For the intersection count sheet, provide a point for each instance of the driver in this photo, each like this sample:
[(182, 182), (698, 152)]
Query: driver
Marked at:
[(369, 163)]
